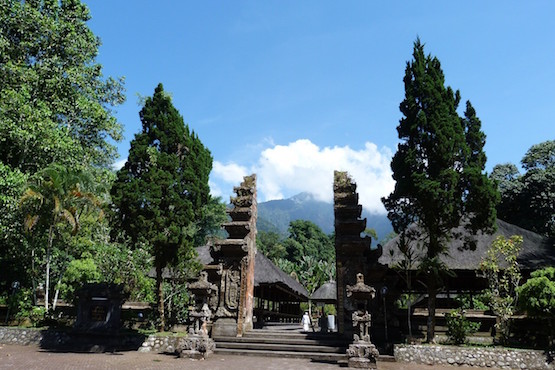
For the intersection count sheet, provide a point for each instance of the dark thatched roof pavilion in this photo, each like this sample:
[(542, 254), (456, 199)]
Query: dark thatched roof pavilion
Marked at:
[(466, 251), (327, 293), (537, 250)]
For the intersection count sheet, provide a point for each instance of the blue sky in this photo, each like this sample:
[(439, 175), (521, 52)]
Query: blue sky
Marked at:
[(292, 90)]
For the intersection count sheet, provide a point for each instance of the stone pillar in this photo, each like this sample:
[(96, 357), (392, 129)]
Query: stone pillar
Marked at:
[(355, 259), (235, 256), (351, 250)]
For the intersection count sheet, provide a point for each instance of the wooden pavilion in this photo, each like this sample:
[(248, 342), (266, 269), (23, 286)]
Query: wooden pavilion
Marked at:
[(465, 253)]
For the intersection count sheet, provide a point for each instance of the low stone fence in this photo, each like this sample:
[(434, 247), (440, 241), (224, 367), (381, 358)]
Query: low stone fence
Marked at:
[(473, 356), (193, 346), (185, 346), (160, 344), (27, 336)]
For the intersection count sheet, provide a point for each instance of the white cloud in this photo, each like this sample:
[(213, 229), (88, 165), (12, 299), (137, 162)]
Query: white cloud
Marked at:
[(302, 166), (119, 164), (231, 172)]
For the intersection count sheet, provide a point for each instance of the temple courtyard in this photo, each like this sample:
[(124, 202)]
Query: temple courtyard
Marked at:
[(33, 357)]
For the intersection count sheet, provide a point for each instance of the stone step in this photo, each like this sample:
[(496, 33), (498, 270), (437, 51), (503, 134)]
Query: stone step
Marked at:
[(333, 342), (316, 356), (281, 347), (285, 334)]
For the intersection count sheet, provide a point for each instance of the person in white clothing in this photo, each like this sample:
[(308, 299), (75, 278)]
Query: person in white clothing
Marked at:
[(305, 321)]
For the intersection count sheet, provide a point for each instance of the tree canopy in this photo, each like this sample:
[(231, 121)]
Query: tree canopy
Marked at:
[(528, 200), (307, 239), (438, 167), (56, 106), (161, 191)]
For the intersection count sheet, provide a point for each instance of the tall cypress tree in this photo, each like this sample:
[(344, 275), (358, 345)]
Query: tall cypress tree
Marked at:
[(438, 168), (160, 192)]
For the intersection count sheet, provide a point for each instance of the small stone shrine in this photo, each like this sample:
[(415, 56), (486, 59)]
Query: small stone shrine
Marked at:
[(362, 353), (99, 307), (232, 272), (199, 313)]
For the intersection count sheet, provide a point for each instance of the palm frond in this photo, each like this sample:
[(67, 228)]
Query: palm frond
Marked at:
[(30, 222), (71, 219)]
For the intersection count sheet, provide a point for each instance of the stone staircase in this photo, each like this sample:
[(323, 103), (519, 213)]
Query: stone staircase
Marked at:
[(325, 347)]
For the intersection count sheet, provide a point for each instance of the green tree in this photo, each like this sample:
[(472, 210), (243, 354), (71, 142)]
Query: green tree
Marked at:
[(501, 268), (162, 190), (55, 107), (212, 217), (56, 197), (270, 244), (307, 239), (528, 200), (537, 297), (438, 168), (404, 268)]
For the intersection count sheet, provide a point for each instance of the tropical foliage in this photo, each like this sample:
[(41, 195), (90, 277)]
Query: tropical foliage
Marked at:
[(537, 297), (502, 271), (57, 198)]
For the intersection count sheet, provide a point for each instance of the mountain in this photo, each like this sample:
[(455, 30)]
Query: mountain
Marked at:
[(275, 215)]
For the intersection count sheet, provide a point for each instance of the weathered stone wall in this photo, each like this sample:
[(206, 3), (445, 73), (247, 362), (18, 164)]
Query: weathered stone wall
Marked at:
[(54, 338), (161, 344), (24, 336), (473, 356)]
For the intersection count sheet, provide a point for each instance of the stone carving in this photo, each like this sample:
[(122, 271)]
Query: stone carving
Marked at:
[(232, 285), (197, 347), (202, 285), (200, 319), (360, 291), (362, 355), (362, 321)]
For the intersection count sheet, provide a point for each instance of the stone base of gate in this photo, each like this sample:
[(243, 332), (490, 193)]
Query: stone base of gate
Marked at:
[(224, 327)]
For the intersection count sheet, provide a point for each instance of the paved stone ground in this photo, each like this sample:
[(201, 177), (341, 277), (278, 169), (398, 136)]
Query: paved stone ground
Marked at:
[(32, 357)]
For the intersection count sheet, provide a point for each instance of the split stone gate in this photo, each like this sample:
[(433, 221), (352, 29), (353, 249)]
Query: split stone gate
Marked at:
[(226, 292)]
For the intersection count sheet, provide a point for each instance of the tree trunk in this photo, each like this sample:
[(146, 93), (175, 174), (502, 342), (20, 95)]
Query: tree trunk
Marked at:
[(409, 322), (57, 292), (33, 278), (160, 291), (48, 258), (431, 324), (409, 304)]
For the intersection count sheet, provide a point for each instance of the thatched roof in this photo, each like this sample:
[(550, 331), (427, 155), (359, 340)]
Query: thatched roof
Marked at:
[(327, 293), (265, 273), (537, 251)]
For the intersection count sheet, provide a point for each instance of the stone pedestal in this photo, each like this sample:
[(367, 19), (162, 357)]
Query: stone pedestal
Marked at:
[(362, 355), (225, 327), (197, 347)]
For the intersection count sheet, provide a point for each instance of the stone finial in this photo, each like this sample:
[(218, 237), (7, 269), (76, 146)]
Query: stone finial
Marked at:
[(360, 291)]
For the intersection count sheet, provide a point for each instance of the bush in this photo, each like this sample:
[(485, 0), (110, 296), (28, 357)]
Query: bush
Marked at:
[(37, 315), (458, 326), (537, 297)]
